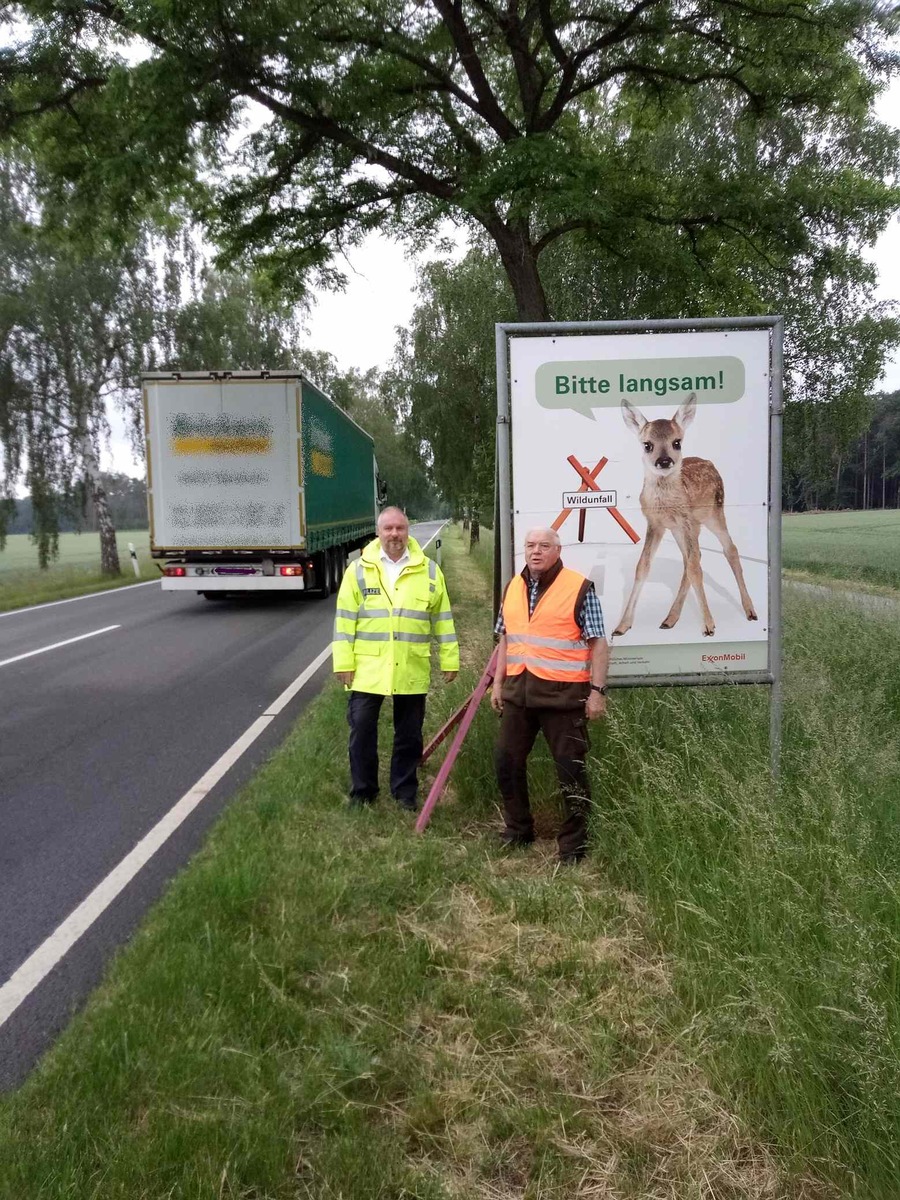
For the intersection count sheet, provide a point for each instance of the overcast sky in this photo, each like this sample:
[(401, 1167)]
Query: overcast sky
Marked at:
[(358, 325)]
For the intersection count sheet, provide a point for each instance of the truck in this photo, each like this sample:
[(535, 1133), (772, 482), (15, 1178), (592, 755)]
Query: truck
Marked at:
[(256, 481)]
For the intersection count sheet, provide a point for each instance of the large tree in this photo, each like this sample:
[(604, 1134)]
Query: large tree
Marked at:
[(73, 326), (715, 123)]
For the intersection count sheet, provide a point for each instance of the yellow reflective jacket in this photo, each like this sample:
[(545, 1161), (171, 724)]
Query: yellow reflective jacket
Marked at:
[(384, 636)]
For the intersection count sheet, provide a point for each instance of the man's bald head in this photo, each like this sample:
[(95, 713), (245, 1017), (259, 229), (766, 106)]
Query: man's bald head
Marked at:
[(393, 532), (393, 514), (542, 550)]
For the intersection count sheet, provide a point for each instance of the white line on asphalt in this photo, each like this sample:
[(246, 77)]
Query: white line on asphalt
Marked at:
[(39, 964), (30, 608), (56, 645)]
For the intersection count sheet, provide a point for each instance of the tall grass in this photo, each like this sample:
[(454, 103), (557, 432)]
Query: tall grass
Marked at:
[(778, 909), (781, 908)]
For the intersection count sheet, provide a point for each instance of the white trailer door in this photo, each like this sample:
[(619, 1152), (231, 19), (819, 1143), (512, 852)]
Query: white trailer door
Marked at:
[(224, 464)]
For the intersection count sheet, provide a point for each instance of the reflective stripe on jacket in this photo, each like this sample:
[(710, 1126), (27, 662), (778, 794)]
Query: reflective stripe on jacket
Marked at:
[(549, 644), (385, 635)]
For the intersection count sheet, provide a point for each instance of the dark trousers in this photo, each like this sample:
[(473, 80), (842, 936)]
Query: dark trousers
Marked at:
[(362, 717), (566, 734)]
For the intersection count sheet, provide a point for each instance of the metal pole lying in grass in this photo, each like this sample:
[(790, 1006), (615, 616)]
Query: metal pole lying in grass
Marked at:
[(464, 716)]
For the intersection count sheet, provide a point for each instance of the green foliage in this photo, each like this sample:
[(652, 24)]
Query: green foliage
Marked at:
[(442, 380), (720, 127)]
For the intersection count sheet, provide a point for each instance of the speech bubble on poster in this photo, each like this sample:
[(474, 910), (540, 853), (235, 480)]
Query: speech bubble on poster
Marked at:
[(586, 385)]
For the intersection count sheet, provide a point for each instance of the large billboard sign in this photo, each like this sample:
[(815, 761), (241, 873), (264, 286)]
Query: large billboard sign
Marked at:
[(649, 453)]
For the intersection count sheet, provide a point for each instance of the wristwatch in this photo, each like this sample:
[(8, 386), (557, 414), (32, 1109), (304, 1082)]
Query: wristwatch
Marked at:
[(595, 687)]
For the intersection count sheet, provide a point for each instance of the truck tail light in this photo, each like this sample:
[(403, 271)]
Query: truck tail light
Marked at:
[(294, 569), (175, 571)]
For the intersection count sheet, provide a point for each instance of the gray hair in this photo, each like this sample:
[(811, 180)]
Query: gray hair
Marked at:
[(551, 535), (391, 508)]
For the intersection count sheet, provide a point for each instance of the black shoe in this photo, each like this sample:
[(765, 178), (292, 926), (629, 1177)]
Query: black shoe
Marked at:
[(509, 837), (407, 803), (572, 857), (360, 801)]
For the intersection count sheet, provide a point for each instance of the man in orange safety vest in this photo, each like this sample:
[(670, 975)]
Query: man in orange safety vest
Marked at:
[(551, 677)]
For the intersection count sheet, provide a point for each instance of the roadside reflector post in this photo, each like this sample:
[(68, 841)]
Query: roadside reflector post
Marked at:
[(134, 559), (437, 551)]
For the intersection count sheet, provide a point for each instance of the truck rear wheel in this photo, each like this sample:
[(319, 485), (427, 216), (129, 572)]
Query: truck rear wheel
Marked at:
[(324, 572)]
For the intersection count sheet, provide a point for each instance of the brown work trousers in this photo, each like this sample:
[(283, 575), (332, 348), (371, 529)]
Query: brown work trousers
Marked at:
[(565, 731)]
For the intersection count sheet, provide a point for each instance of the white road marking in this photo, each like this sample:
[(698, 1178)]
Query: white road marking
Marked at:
[(56, 645), (423, 545), (30, 608), (41, 962)]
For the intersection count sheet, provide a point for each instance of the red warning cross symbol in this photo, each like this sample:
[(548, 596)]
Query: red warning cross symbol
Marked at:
[(588, 484)]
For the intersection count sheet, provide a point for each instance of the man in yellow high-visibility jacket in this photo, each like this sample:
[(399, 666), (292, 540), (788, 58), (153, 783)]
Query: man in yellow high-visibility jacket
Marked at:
[(392, 602)]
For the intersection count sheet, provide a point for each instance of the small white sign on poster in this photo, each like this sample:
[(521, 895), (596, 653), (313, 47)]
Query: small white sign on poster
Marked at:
[(649, 453)]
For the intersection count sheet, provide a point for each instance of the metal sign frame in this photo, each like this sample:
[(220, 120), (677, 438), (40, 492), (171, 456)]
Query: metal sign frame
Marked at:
[(772, 677)]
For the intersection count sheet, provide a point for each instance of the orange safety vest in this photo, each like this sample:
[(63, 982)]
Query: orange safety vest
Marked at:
[(549, 644)]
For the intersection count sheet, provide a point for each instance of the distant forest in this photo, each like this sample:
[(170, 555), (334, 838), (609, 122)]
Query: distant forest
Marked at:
[(127, 502), (864, 473)]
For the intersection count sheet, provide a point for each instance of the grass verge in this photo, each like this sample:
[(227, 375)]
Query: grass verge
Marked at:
[(325, 1005), (74, 573)]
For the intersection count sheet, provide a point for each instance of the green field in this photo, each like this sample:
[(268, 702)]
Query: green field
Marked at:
[(862, 546), (75, 572), (325, 1005)]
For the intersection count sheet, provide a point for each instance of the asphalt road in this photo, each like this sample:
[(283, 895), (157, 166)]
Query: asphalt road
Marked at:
[(100, 737)]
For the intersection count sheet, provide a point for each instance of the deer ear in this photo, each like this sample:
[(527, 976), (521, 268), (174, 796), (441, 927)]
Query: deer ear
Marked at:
[(633, 417), (687, 411)]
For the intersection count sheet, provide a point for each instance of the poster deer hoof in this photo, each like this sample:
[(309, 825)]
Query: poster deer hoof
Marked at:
[(620, 630), (751, 616), (709, 631)]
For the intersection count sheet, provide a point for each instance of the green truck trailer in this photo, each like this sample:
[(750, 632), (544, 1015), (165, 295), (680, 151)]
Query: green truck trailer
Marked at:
[(256, 481)]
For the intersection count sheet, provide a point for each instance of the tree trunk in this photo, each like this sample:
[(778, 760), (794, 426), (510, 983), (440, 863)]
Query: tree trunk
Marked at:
[(474, 533), (109, 551), (865, 496), (517, 253)]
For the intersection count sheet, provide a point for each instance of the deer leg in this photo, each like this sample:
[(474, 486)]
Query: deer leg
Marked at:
[(678, 602), (651, 545), (689, 541), (716, 524)]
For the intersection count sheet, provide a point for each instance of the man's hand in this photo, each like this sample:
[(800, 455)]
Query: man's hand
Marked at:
[(595, 706), (497, 696), (346, 677), (449, 676)]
